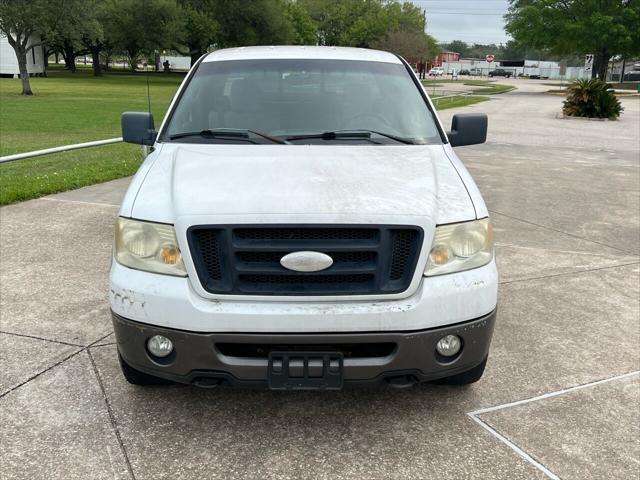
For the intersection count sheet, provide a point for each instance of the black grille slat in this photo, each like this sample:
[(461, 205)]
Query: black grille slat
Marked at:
[(402, 241), (302, 233), (274, 257), (306, 279), (209, 248), (243, 260), (277, 269)]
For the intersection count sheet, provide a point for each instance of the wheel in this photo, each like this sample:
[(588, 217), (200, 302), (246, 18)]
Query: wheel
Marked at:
[(136, 377), (464, 378)]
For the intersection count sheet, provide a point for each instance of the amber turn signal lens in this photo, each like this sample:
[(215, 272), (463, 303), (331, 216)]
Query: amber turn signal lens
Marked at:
[(440, 255), (170, 254)]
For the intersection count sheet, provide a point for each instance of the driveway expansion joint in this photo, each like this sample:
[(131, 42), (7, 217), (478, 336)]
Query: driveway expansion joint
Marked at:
[(475, 416), (68, 357), (60, 342), (526, 456), (564, 274), (112, 417), (632, 254)]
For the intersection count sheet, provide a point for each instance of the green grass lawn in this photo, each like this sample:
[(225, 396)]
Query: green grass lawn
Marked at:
[(492, 89), (461, 101), (72, 108), (489, 87)]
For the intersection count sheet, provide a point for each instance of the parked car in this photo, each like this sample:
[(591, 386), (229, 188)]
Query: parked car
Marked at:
[(436, 72), (500, 72), (464, 71), (302, 222), (475, 71)]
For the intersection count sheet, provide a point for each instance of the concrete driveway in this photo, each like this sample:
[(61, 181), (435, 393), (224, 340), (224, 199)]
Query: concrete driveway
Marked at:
[(560, 397)]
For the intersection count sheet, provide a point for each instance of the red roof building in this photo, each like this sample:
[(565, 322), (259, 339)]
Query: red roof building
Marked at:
[(445, 57)]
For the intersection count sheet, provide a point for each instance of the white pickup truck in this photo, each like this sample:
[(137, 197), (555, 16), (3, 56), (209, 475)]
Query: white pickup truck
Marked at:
[(303, 222)]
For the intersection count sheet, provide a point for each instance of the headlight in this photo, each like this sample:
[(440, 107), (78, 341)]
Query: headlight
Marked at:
[(460, 246), (148, 246)]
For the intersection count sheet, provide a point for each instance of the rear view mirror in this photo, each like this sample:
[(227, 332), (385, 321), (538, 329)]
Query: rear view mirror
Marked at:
[(137, 127), (468, 129)]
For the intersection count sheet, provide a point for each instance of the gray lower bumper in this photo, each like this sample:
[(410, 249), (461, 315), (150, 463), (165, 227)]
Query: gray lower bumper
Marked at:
[(199, 357)]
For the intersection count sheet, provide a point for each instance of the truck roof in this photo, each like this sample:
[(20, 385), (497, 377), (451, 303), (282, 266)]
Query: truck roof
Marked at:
[(301, 52)]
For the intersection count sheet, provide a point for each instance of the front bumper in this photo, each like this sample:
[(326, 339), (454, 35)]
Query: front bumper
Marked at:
[(198, 357), (171, 302)]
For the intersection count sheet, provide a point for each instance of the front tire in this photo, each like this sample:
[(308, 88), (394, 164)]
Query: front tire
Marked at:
[(464, 378), (136, 377)]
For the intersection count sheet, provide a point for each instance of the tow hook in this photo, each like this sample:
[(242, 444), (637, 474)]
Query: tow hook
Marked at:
[(402, 381), (206, 382)]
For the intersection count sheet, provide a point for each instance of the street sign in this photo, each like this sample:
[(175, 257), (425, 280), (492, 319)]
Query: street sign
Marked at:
[(588, 63), (490, 58)]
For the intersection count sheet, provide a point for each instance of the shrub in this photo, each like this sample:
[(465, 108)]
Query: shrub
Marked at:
[(591, 98)]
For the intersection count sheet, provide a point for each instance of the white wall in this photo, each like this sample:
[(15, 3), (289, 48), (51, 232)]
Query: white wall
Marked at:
[(176, 63), (468, 64), (9, 62), (531, 67)]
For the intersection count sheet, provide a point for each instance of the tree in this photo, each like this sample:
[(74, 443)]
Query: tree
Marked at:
[(458, 46), (67, 34), (255, 22), (140, 27), (21, 21), (405, 35), (403, 17), (93, 37), (361, 23), (304, 28), (201, 28), (354, 23), (409, 45), (603, 28)]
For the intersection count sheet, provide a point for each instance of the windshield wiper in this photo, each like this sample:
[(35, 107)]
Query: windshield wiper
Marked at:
[(349, 134), (233, 133)]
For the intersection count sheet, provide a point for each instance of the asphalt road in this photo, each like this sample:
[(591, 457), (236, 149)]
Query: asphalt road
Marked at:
[(560, 397)]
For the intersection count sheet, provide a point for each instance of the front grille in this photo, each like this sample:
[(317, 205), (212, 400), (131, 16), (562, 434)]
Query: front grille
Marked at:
[(245, 260)]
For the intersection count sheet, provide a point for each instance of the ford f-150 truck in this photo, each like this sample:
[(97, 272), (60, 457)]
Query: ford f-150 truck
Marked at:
[(302, 222)]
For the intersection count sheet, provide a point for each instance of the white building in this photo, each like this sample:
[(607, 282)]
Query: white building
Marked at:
[(539, 68), (9, 62)]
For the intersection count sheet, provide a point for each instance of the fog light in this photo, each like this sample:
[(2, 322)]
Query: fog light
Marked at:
[(449, 345), (159, 346)]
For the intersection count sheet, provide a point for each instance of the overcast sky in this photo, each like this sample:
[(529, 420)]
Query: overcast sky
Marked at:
[(473, 21)]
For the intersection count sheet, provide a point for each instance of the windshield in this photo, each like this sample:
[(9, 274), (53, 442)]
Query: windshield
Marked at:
[(287, 98)]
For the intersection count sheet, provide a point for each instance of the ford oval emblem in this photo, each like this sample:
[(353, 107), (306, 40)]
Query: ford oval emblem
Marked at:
[(306, 261)]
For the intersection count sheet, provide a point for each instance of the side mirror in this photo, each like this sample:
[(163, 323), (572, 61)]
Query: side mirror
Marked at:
[(137, 127), (468, 129)]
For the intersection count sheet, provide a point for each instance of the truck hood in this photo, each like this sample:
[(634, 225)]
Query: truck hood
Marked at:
[(271, 180)]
